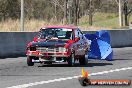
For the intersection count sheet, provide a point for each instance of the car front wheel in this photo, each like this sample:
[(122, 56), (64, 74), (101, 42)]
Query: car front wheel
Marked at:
[(71, 60), (29, 61)]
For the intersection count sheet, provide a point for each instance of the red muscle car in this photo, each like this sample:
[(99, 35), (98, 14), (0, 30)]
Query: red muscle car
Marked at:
[(58, 44)]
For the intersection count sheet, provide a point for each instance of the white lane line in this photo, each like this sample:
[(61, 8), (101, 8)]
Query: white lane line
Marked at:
[(67, 78)]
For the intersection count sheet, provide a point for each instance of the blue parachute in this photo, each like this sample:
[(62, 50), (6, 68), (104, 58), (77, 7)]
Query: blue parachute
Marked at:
[(100, 47)]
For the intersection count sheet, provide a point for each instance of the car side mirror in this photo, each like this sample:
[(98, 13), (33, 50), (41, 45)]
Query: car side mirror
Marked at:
[(77, 39)]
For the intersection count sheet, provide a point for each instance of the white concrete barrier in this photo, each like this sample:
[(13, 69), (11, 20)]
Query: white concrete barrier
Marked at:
[(119, 38), (14, 43)]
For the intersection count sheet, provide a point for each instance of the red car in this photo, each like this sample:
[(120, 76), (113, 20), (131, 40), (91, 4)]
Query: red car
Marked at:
[(58, 44)]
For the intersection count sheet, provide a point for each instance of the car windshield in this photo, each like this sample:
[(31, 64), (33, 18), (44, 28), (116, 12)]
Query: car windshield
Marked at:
[(55, 33)]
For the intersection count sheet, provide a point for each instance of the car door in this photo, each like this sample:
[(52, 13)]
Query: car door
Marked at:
[(77, 45), (82, 42)]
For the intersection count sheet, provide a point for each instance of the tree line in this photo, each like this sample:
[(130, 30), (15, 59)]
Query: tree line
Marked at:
[(68, 11)]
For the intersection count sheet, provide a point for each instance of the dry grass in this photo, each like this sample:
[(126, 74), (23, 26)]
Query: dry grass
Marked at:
[(35, 25), (29, 25), (100, 21), (9, 25)]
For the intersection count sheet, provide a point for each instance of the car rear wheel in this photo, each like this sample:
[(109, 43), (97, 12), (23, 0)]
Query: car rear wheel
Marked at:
[(29, 61), (71, 60)]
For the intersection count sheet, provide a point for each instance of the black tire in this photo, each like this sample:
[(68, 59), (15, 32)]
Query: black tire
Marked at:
[(29, 61), (71, 60), (83, 60)]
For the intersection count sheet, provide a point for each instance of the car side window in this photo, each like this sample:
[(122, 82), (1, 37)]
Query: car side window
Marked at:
[(72, 35), (39, 34), (77, 33), (80, 34)]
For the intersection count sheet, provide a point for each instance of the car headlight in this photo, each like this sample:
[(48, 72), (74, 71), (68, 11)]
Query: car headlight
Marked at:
[(62, 49)]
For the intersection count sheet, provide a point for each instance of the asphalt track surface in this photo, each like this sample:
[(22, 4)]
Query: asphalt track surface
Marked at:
[(14, 72)]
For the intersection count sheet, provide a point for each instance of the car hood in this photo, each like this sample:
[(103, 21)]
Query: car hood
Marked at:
[(49, 43)]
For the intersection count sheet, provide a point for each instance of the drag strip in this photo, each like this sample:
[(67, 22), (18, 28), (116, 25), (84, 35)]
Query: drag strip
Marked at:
[(62, 79), (14, 73)]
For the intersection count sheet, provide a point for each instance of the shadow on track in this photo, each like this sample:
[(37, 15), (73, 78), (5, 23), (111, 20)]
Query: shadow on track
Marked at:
[(76, 65), (121, 59)]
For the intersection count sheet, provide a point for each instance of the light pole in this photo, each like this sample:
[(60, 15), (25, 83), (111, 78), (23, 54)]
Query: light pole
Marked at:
[(22, 15), (120, 13), (69, 8), (126, 12)]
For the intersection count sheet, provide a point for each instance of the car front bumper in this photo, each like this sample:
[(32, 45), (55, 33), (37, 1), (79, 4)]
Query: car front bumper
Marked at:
[(47, 54)]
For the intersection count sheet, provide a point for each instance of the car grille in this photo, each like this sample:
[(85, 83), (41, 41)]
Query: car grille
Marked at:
[(50, 49), (32, 48)]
